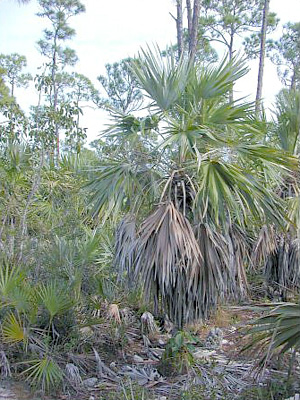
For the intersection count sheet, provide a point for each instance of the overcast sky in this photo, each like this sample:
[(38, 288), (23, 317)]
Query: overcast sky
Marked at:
[(110, 31)]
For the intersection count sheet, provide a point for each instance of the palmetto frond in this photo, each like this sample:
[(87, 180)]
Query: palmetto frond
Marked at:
[(44, 372), (119, 186), (288, 120), (10, 278), (277, 332), (225, 191), (13, 330), (162, 79), (55, 299)]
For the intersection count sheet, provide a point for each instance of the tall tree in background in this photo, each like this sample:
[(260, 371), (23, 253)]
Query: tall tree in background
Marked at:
[(262, 54), (225, 20), (193, 12), (4, 90), (287, 55), (80, 92), (14, 125), (179, 27), (193, 21), (58, 12), (13, 64), (121, 87)]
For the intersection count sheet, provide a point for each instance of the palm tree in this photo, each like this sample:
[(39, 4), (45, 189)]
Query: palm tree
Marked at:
[(193, 186), (278, 250)]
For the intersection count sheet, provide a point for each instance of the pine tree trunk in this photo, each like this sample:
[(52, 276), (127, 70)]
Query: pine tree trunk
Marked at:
[(230, 51), (55, 91), (179, 27), (293, 81), (193, 38), (262, 55), (189, 16)]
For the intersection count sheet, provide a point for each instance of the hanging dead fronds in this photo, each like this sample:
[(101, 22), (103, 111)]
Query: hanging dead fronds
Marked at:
[(168, 261), (124, 254), (265, 246)]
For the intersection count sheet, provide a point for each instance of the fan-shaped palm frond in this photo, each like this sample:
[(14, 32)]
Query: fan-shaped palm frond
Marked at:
[(288, 120), (24, 299), (13, 330), (277, 332), (117, 186), (55, 299), (44, 372), (10, 278), (161, 78), (226, 191)]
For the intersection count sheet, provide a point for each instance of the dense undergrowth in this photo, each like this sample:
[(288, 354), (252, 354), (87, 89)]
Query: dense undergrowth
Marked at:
[(108, 258)]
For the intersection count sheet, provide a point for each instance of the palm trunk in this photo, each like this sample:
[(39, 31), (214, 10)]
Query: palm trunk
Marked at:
[(193, 38), (262, 55), (179, 28)]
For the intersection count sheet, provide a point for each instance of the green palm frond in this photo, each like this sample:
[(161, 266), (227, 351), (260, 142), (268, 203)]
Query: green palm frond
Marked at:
[(55, 299), (226, 191), (208, 82), (45, 373), (265, 155), (277, 332), (10, 278), (13, 330), (163, 79), (24, 300), (117, 186), (288, 120)]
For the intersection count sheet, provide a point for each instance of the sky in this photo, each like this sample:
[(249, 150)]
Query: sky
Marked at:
[(111, 30)]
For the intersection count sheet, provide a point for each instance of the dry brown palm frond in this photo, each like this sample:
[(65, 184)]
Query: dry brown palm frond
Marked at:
[(148, 324), (4, 365), (124, 254), (113, 313), (168, 261), (239, 256), (265, 246), (282, 268), (73, 375)]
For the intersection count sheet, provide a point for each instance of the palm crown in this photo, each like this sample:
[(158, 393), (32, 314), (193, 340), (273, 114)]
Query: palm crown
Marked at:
[(197, 172)]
